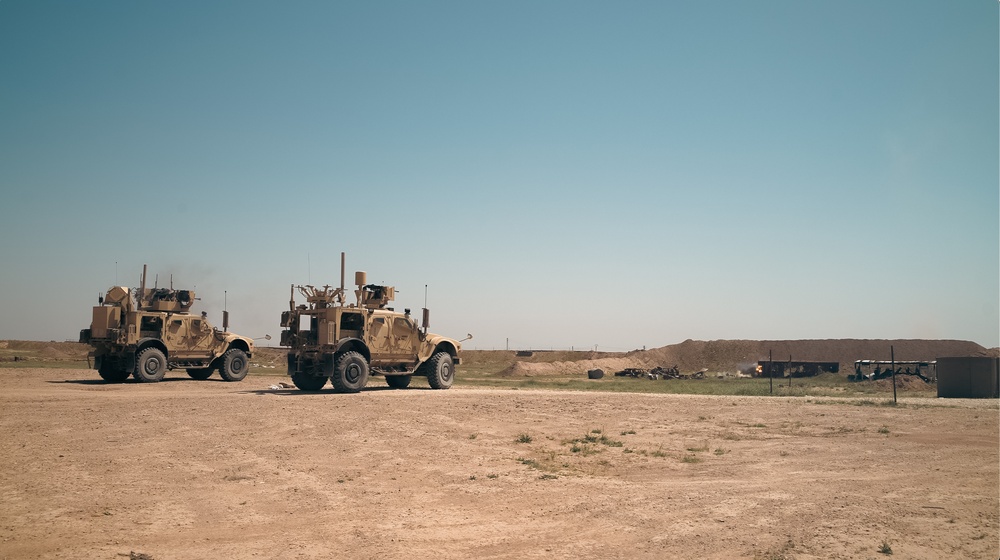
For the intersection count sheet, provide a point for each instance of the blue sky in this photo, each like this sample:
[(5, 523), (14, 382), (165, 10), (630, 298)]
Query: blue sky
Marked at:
[(559, 174)]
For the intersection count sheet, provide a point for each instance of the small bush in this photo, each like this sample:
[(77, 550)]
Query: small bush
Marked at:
[(524, 438), (610, 442), (885, 549), (531, 463), (703, 447)]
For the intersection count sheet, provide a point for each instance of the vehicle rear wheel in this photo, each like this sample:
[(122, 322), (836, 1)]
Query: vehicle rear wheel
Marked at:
[(350, 374), (440, 371), (112, 373), (150, 366), (306, 382), (235, 365), (200, 374), (398, 381)]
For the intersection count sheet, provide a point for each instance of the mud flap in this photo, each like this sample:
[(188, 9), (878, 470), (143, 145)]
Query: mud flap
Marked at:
[(293, 366), (129, 358)]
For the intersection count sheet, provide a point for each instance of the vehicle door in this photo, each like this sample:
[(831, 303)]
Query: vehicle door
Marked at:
[(379, 340), (200, 337), (404, 339)]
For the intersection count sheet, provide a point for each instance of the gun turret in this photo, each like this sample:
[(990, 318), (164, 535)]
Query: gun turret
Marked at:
[(166, 299)]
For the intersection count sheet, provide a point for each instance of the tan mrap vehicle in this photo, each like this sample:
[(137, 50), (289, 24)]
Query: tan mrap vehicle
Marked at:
[(146, 333), (346, 343)]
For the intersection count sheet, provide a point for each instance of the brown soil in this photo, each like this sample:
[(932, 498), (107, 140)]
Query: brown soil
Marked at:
[(31, 350), (191, 470)]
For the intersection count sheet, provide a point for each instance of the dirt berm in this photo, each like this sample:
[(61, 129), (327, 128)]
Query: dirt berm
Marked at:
[(732, 356)]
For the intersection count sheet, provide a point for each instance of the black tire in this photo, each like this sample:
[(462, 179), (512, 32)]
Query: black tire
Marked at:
[(306, 382), (350, 374), (398, 381), (440, 371), (200, 374), (150, 366), (112, 374), (235, 365)]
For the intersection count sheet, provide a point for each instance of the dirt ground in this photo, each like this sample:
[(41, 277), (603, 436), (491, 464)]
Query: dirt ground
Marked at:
[(193, 470)]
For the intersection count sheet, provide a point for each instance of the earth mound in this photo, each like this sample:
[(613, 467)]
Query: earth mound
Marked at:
[(730, 356)]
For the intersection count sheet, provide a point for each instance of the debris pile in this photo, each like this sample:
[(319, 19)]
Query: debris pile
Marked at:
[(659, 372)]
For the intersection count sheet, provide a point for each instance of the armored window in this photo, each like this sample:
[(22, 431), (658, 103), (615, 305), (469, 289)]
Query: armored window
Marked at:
[(151, 324), (351, 322)]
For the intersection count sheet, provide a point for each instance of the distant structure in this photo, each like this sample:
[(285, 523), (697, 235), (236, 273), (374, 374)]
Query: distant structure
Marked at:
[(767, 368), (968, 377)]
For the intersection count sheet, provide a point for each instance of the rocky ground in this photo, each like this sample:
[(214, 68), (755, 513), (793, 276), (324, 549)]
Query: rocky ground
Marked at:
[(185, 469)]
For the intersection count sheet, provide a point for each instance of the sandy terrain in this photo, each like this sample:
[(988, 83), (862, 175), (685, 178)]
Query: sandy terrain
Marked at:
[(192, 470)]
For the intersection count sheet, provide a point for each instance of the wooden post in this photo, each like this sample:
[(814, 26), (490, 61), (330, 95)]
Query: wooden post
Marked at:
[(789, 371), (892, 358), (770, 372)]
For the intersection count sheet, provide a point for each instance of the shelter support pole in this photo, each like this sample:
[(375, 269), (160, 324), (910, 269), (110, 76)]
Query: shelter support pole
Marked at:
[(892, 358)]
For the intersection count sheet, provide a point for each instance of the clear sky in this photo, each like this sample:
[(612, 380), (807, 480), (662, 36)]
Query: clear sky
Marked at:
[(558, 173)]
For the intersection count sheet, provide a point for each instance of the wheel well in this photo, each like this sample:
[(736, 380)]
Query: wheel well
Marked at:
[(355, 345), (446, 347), (240, 344), (152, 343)]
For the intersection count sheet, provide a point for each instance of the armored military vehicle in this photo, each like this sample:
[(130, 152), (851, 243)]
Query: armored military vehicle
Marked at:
[(147, 331), (345, 343)]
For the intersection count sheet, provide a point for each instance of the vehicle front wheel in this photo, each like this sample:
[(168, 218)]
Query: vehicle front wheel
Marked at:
[(398, 381), (306, 382), (200, 374), (235, 365), (440, 371), (350, 373), (150, 366)]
